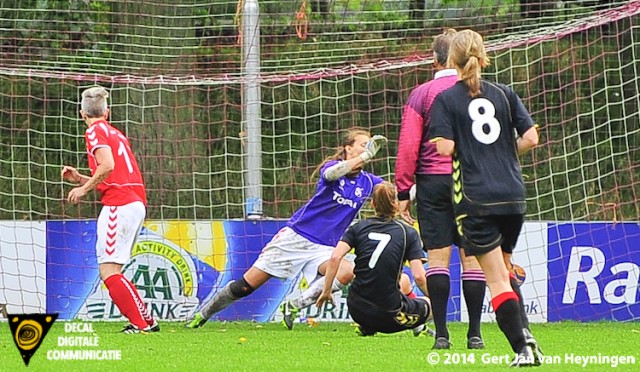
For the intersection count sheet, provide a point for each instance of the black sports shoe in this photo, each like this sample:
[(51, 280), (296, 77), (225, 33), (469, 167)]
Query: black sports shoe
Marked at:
[(423, 330), (535, 348), (475, 342), (525, 358), (441, 344), (289, 313), (154, 328), (364, 333), (131, 329)]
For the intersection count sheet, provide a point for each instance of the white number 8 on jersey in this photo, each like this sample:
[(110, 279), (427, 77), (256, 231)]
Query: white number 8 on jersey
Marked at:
[(482, 112)]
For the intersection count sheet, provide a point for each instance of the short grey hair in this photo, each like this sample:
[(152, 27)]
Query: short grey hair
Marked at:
[(94, 102), (441, 45)]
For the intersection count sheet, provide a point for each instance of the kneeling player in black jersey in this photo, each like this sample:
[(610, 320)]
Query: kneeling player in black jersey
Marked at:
[(381, 246)]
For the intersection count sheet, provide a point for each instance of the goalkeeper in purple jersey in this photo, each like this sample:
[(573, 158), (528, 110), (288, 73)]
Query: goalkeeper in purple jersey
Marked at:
[(305, 245), (475, 121)]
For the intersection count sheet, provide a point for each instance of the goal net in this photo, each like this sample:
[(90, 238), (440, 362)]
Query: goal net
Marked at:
[(175, 76)]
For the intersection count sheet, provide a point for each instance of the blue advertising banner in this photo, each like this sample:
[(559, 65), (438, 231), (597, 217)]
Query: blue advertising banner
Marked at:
[(593, 271), (245, 241), (171, 280), (175, 266), (72, 269), (455, 297), (575, 271)]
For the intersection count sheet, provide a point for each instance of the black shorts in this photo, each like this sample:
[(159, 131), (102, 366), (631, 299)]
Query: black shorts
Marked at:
[(482, 234), (435, 211), (412, 313)]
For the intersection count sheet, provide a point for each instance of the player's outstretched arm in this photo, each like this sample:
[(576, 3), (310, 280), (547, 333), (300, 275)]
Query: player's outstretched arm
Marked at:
[(71, 174), (419, 275), (341, 168), (373, 146), (332, 270), (105, 161), (344, 167)]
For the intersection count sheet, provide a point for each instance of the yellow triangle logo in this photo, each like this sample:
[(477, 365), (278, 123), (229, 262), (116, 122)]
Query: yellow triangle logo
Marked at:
[(304, 284), (28, 331), (457, 197)]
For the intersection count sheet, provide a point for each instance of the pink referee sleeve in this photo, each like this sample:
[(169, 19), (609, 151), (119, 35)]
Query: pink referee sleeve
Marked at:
[(408, 149)]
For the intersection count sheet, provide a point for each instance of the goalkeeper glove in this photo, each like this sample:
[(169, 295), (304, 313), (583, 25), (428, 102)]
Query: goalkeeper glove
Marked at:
[(373, 146)]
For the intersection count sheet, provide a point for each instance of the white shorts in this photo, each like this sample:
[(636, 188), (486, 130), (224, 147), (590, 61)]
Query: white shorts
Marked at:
[(289, 253), (118, 229)]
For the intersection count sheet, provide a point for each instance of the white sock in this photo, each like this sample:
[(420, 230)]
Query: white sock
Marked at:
[(336, 286), (219, 302), (311, 294)]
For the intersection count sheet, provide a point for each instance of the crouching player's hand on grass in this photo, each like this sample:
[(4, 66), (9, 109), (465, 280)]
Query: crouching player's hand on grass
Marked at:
[(324, 297)]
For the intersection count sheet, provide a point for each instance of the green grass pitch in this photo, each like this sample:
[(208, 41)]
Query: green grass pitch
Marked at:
[(246, 346)]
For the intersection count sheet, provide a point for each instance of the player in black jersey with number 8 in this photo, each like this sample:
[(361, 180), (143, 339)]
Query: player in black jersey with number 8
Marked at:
[(476, 122), (382, 245)]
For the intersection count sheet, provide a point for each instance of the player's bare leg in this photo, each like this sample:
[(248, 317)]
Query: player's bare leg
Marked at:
[(253, 279), (405, 286)]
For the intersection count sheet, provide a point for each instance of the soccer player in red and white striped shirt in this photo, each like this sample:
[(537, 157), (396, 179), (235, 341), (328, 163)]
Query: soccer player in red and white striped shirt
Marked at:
[(115, 174)]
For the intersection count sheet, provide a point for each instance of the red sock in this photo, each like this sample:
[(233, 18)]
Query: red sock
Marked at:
[(143, 308), (126, 298), (411, 295)]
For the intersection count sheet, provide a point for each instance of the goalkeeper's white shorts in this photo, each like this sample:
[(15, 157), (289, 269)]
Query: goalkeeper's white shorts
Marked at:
[(118, 229), (288, 254)]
